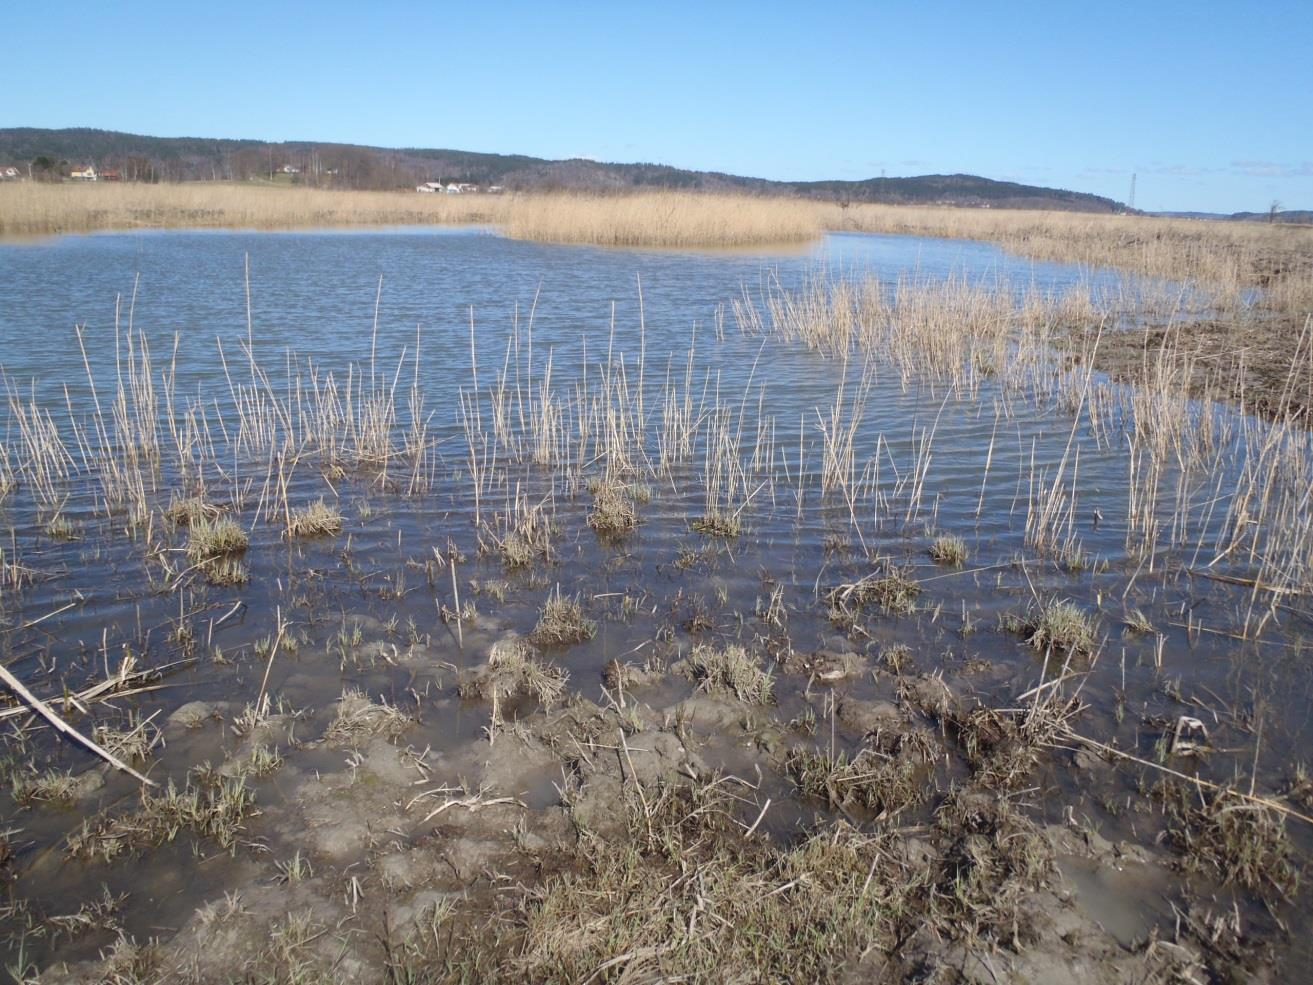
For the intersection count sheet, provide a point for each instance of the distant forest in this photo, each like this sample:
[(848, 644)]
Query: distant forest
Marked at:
[(51, 154)]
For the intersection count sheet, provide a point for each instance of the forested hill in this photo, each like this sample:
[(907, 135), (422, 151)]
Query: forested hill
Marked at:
[(50, 153)]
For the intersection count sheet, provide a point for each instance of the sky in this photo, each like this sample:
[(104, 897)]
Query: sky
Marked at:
[(1209, 104)]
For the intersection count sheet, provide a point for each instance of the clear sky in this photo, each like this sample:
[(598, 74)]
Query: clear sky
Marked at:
[(1209, 103)]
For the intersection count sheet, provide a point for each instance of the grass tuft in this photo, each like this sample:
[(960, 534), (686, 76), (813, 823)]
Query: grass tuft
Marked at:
[(950, 550), (885, 784), (889, 586), (613, 511), (316, 520), (214, 809), (1058, 625), (718, 523), (192, 509), (729, 670), (209, 539), (360, 718), (514, 668), (561, 621)]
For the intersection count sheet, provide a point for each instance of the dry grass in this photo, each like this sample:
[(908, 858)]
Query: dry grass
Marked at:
[(514, 668), (358, 718), (34, 209), (211, 539), (679, 219), (686, 893), (316, 520), (729, 670), (561, 621), (1225, 255)]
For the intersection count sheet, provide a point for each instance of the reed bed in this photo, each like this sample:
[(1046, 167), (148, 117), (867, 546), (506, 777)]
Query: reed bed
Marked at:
[(677, 219), (1229, 257), (37, 209)]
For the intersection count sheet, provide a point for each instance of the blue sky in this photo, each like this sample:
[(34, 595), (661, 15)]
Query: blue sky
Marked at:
[(1210, 104)]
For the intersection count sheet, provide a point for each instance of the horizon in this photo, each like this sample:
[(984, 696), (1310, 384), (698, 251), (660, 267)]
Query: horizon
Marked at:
[(1018, 103), (460, 150)]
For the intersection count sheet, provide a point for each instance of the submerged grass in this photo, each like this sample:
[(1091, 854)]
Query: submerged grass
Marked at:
[(213, 808), (1231, 837)]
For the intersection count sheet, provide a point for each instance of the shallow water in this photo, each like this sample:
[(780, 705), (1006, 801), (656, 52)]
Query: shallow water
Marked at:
[(365, 299)]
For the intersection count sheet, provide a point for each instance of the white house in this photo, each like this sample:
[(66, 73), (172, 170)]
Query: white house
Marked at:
[(86, 172), (289, 169), (454, 189), (429, 186)]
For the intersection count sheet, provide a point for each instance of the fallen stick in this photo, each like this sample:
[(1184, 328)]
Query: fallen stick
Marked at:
[(273, 651), (1200, 781), (77, 699), (46, 712), (1244, 582)]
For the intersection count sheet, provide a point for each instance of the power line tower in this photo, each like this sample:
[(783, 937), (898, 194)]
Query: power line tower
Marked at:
[(1130, 199)]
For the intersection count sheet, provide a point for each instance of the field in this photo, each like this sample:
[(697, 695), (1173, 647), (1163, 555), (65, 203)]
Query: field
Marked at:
[(868, 632)]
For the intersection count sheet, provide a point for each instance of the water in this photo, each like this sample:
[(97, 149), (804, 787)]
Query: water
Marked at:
[(362, 302)]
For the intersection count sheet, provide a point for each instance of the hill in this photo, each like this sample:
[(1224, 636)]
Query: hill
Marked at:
[(144, 158)]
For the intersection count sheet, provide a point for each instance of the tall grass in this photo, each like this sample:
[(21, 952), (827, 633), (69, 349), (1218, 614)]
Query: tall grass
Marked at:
[(678, 219), (36, 209), (1229, 258), (1211, 489)]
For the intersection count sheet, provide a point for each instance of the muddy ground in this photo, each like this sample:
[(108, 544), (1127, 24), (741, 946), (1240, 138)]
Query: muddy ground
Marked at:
[(887, 826), (1257, 360)]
